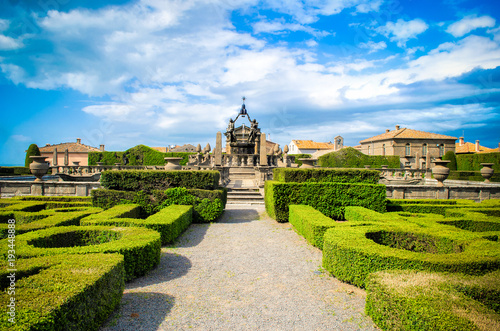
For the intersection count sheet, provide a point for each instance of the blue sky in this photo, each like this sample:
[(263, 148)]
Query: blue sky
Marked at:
[(159, 72)]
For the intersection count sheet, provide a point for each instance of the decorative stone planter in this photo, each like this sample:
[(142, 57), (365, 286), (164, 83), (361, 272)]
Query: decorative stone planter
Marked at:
[(367, 166), (307, 163), (173, 163), (39, 167), (487, 171), (76, 163), (440, 171)]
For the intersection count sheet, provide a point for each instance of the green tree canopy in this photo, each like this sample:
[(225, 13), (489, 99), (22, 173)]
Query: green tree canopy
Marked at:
[(32, 151)]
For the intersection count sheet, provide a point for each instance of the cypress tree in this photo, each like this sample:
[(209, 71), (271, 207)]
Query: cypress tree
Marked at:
[(450, 155), (32, 151)]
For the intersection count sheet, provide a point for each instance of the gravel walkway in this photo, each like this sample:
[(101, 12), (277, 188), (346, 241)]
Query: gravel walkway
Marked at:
[(245, 272)]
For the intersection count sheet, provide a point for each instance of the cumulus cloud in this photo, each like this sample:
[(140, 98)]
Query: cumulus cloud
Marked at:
[(8, 43), (470, 23), (279, 26), (401, 31), (373, 46)]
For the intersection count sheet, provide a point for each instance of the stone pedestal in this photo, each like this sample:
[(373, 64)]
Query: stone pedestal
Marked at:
[(218, 150), (263, 151)]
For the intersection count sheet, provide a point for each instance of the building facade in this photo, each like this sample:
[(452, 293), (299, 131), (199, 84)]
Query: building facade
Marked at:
[(67, 153), (412, 146), (311, 147)]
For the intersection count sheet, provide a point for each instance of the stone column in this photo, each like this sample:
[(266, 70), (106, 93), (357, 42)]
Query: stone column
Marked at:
[(263, 152), (218, 149), (66, 157), (54, 158)]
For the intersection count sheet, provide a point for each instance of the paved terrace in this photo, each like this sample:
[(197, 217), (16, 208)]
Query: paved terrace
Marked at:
[(245, 272)]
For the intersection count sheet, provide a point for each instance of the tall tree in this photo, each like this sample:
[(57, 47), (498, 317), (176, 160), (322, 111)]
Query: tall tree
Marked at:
[(32, 151)]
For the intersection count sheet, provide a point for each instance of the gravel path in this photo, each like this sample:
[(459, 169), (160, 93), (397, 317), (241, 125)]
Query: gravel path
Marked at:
[(245, 272)]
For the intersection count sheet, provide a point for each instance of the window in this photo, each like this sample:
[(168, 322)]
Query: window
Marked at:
[(407, 149), (383, 149), (441, 150), (424, 149), (368, 150)]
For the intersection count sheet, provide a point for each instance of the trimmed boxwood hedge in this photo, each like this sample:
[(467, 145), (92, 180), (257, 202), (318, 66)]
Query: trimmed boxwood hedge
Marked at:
[(149, 180), (310, 223), (329, 198), (140, 247), (411, 300), (430, 206), (170, 222), (51, 198), (26, 222), (118, 211), (63, 292), (398, 245), (336, 175)]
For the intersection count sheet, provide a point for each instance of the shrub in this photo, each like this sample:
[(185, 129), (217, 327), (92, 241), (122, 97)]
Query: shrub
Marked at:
[(13, 171), (329, 198), (300, 156), (352, 158), (32, 151), (411, 300), (170, 222), (326, 175), (398, 245), (220, 193), (53, 198), (147, 181), (310, 223), (472, 162), (450, 155), (208, 211), (26, 222), (140, 247), (63, 292), (106, 199), (119, 211)]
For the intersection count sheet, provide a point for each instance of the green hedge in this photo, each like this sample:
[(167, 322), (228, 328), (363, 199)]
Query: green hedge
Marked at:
[(140, 247), (14, 171), (106, 199), (399, 245), (148, 181), (138, 155), (430, 206), (220, 193), (329, 198), (170, 222), (29, 206), (50, 198), (352, 158), (410, 300), (63, 292), (326, 175), (26, 222), (310, 223), (300, 156), (472, 162), (474, 176), (119, 211)]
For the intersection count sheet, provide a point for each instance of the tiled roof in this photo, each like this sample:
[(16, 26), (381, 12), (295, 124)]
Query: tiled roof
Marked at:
[(72, 148), (405, 133), (471, 148), (309, 144)]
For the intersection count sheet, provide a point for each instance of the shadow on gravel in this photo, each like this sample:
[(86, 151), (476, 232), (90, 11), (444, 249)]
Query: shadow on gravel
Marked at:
[(140, 311), (233, 216), (171, 266)]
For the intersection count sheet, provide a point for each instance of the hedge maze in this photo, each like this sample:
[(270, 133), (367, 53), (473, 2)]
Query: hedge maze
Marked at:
[(425, 264), (73, 255)]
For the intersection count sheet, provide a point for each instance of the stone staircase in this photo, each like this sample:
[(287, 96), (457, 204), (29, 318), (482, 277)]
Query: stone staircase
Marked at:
[(242, 188)]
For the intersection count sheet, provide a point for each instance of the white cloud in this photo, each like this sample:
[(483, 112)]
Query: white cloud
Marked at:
[(470, 23), (369, 6), (8, 43), (279, 26), (402, 31), (373, 46)]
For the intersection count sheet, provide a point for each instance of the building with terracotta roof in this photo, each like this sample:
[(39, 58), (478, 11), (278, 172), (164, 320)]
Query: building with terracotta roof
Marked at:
[(411, 146), (463, 147), (182, 149), (310, 147), (68, 153)]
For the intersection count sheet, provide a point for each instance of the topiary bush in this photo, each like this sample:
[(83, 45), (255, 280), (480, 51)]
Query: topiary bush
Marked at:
[(310, 223), (399, 245), (140, 247), (329, 198), (450, 155), (351, 158), (472, 162), (411, 300), (64, 292), (32, 151), (148, 181), (170, 222), (326, 175)]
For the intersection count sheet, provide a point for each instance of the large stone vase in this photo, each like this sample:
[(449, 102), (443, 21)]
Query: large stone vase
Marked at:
[(307, 163), (487, 171), (173, 163), (440, 171), (39, 167)]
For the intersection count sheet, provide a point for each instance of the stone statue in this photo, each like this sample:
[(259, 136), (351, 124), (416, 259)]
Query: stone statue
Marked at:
[(253, 131), (230, 131)]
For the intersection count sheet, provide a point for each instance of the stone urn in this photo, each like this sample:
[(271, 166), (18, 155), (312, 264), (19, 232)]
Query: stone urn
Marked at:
[(307, 163), (487, 171), (367, 166), (440, 171), (173, 163), (39, 167), (76, 163)]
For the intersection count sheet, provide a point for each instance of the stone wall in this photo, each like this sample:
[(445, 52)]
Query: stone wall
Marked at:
[(477, 193), (12, 188)]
